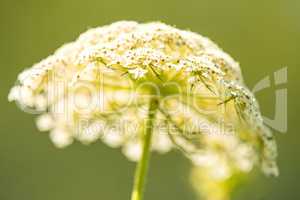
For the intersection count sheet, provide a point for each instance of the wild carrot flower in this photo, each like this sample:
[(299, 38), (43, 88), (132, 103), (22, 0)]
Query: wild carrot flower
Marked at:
[(147, 87)]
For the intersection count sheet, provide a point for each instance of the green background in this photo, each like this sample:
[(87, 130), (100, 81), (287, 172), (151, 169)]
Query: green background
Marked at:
[(263, 35)]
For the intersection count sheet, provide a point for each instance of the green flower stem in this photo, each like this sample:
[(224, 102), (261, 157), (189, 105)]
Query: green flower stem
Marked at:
[(142, 166)]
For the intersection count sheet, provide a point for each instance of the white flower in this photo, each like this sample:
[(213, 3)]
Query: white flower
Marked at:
[(161, 142), (132, 150), (113, 138), (45, 122), (60, 138), (14, 93)]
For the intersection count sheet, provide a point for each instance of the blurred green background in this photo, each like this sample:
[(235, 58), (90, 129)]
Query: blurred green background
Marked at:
[(263, 35)]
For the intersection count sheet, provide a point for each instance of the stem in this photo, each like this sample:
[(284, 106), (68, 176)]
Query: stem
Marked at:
[(142, 166)]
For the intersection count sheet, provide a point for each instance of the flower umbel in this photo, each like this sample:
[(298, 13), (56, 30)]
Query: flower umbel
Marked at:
[(110, 82)]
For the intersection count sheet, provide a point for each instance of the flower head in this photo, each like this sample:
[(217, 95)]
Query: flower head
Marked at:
[(99, 87)]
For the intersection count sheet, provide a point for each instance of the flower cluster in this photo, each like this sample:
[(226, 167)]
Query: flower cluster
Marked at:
[(99, 86)]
